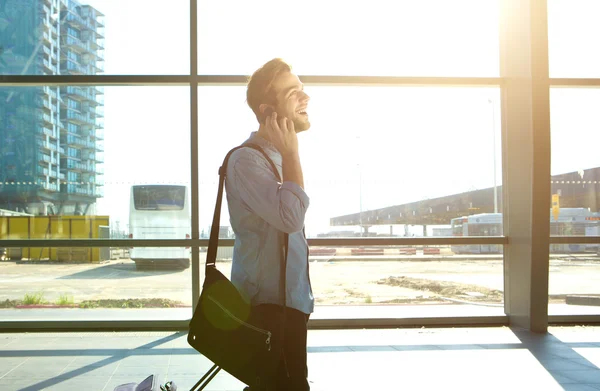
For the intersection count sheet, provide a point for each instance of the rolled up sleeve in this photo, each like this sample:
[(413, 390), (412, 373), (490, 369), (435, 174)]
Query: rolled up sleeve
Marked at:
[(282, 205)]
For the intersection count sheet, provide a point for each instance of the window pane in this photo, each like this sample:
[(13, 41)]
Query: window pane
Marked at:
[(50, 37), (385, 150), (91, 284), (83, 160), (574, 283), (402, 157), (573, 33), (575, 164), (67, 172), (393, 38), (574, 271)]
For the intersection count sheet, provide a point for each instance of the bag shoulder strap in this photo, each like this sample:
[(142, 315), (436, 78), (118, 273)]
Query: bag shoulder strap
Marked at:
[(213, 243)]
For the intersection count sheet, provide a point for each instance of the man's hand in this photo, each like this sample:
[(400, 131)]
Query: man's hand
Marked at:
[(282, 134)]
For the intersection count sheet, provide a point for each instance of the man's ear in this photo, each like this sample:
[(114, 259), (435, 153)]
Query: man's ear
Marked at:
[(265, 111)]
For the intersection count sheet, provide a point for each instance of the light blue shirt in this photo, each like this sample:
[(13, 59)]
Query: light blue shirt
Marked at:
[(260, 209)]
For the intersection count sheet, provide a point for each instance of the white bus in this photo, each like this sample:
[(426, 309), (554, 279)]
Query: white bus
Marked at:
[(570, 222), (159, 212), (483, 224)]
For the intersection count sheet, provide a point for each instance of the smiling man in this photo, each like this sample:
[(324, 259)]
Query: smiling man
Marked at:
[(262, 208)]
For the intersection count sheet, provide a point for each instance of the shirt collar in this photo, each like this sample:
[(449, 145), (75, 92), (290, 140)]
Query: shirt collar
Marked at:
[(266, 144)]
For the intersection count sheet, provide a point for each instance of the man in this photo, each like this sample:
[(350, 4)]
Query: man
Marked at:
[(261, 209)]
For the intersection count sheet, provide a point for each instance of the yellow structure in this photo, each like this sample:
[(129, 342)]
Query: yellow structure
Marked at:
[(49, 228)]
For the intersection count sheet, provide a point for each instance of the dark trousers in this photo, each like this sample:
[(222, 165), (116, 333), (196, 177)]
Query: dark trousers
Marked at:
[(287, 365)]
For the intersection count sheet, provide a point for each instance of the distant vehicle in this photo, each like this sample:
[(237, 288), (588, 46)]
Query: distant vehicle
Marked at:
[(159, 212), (570, 222), (482, 224)]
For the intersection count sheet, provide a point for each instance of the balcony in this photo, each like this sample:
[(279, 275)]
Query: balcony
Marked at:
[(45, 131), (80, 23), (50, 91), (46, 145), (48, 120), (73, 19), (76, 141), (44, 9), (44, 158), (74, 43), (78, 92), (72, 67), (82, 190), (47, 66), (99, 67), (97, 133), (95, 112), (50, 186), (43, 103), (75, 165), (75, 117)]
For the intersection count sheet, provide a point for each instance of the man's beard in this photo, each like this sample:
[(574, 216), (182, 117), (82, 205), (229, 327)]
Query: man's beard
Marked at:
[(301, 125)]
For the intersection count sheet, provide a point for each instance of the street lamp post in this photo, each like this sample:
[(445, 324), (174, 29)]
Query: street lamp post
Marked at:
[(494, 153), (360, 221)]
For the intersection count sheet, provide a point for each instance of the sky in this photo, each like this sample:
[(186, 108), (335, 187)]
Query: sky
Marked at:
[(368, 147)]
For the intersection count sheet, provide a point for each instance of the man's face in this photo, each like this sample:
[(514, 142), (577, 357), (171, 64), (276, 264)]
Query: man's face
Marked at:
[(292, 101)]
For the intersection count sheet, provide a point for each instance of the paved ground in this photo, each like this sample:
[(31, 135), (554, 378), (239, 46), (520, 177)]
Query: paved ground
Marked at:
[(414, 280), (465, 359)]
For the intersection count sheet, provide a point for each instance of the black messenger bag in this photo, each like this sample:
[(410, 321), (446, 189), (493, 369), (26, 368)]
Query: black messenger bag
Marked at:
[(225, 327)]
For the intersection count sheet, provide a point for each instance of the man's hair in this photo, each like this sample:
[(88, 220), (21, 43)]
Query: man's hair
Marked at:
[(260, 84)]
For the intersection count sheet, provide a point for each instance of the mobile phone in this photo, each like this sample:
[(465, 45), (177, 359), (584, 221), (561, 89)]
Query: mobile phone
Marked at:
[(268, 111)]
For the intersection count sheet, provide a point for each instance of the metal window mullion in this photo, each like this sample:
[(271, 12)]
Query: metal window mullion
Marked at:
[(93, 80), (365, 81), (195, 269), (570, 82), (526, 161), (122, 243), (574, 239), (313, 324), (542, 172), (196, 242), (184, 80)]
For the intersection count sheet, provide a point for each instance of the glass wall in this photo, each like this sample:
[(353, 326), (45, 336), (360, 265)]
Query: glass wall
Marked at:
[(572, 33), (391, 154), (575, 267), (96, 163), (337, 37), (90, 37), (384, 162), (575, 184)]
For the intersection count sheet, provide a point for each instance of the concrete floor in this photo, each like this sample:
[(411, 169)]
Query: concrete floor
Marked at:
[(495, 358)]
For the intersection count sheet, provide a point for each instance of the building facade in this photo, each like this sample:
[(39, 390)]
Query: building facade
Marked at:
[(51, 138)]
